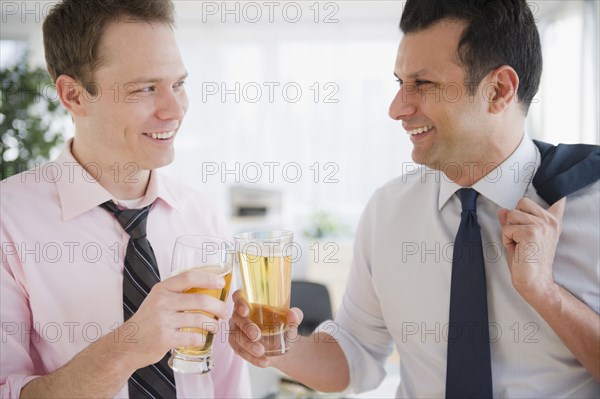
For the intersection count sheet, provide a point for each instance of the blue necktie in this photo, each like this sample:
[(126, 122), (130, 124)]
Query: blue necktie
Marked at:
[(139, 275), (469, 370)]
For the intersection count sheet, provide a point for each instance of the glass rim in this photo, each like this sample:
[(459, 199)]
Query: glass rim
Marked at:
[(204, 238), (268, 234)]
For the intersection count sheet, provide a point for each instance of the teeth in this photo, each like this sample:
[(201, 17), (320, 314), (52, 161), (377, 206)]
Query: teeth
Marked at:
[(161, 136), (419, 130)]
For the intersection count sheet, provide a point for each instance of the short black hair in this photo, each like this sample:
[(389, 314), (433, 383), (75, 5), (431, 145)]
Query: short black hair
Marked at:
[(498, 32)]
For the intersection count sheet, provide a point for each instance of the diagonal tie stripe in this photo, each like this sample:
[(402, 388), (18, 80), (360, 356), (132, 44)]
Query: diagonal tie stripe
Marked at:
[(469, 372), (139, 275), (137, 283), (138, 218), (128, 309), (146, 256)]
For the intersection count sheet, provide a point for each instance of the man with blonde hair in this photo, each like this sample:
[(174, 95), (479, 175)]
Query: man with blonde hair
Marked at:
[(119, 73)]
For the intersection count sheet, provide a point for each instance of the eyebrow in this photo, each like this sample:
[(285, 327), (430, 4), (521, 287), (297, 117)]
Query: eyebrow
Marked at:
[(415, 75), (156, 80)]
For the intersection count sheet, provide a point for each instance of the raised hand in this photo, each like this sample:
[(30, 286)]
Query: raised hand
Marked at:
[(245, 335), (157, 325), (530, 235)]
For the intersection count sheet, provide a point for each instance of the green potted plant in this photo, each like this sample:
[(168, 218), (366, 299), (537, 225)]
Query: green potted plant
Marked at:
[(31, 118)]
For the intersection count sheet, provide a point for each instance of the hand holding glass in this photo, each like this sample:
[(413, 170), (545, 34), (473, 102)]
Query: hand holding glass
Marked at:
[(266, 267), (211, 255)]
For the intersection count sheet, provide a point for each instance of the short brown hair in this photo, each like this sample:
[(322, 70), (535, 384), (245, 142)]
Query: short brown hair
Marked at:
[(73, 29)]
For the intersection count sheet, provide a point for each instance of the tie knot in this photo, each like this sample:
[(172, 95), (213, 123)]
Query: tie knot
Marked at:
[(133, 221), (468, 199)]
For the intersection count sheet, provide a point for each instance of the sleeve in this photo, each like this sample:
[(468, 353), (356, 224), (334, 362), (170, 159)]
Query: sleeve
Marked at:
[(359, 325), (577, 260), (16, 360)]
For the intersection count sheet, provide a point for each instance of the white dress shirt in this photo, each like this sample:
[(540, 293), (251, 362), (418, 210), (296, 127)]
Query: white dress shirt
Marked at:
[(398, 291)]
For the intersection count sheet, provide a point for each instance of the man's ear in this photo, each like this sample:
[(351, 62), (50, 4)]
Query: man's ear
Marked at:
[(72, 95), (502, 88)]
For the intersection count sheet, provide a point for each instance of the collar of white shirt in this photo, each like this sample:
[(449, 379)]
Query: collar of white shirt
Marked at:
[(506, 184), (79, 192)]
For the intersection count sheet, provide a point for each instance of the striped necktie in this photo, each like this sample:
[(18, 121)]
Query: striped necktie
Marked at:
[(139, 275), (469, 368)]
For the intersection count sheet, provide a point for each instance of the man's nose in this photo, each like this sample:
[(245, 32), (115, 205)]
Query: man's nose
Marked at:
[(403, 104), (172, 106)]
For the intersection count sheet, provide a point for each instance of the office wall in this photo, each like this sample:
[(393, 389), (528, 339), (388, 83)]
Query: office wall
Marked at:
[(293, 96)]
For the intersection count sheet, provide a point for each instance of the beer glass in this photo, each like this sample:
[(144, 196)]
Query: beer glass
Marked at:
[(265, 259), (211, 255)]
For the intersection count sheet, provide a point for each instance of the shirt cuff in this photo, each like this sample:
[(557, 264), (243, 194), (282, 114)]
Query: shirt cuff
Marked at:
[(366, 373), (11, 388)]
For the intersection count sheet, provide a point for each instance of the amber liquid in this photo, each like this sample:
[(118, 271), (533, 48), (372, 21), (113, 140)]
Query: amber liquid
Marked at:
[(267, 282), (220, 294)]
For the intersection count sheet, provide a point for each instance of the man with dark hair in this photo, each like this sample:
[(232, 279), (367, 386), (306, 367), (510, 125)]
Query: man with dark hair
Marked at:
[(484, 278), (87, 239)]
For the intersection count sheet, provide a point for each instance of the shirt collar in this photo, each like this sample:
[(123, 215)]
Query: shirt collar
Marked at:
[(506, 184), (79, 191), (159, 190)]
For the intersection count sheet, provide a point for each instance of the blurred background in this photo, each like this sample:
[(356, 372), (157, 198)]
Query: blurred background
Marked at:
[(288, 122)]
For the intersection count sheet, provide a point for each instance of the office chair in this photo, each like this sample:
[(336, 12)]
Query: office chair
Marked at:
[(314, 300)]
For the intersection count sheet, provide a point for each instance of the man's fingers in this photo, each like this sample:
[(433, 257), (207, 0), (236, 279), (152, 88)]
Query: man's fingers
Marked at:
[(502, 216), (199, 302), (237, 295), (507, 235), (241, 306), (262, 361), (528, 212), (528, 206), (295, 316), (187, 338), (517, 216), (253, 352), (250, 330), (179, 302), (512, 235), (193, 279), (197, 321), (558, 209), (251, 355)]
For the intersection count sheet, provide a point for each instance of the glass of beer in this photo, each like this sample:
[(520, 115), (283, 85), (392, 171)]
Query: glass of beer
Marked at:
[(265, 259), (211, 255)]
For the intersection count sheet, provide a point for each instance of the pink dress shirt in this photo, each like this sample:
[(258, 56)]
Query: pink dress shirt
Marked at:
[(62, 272)]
